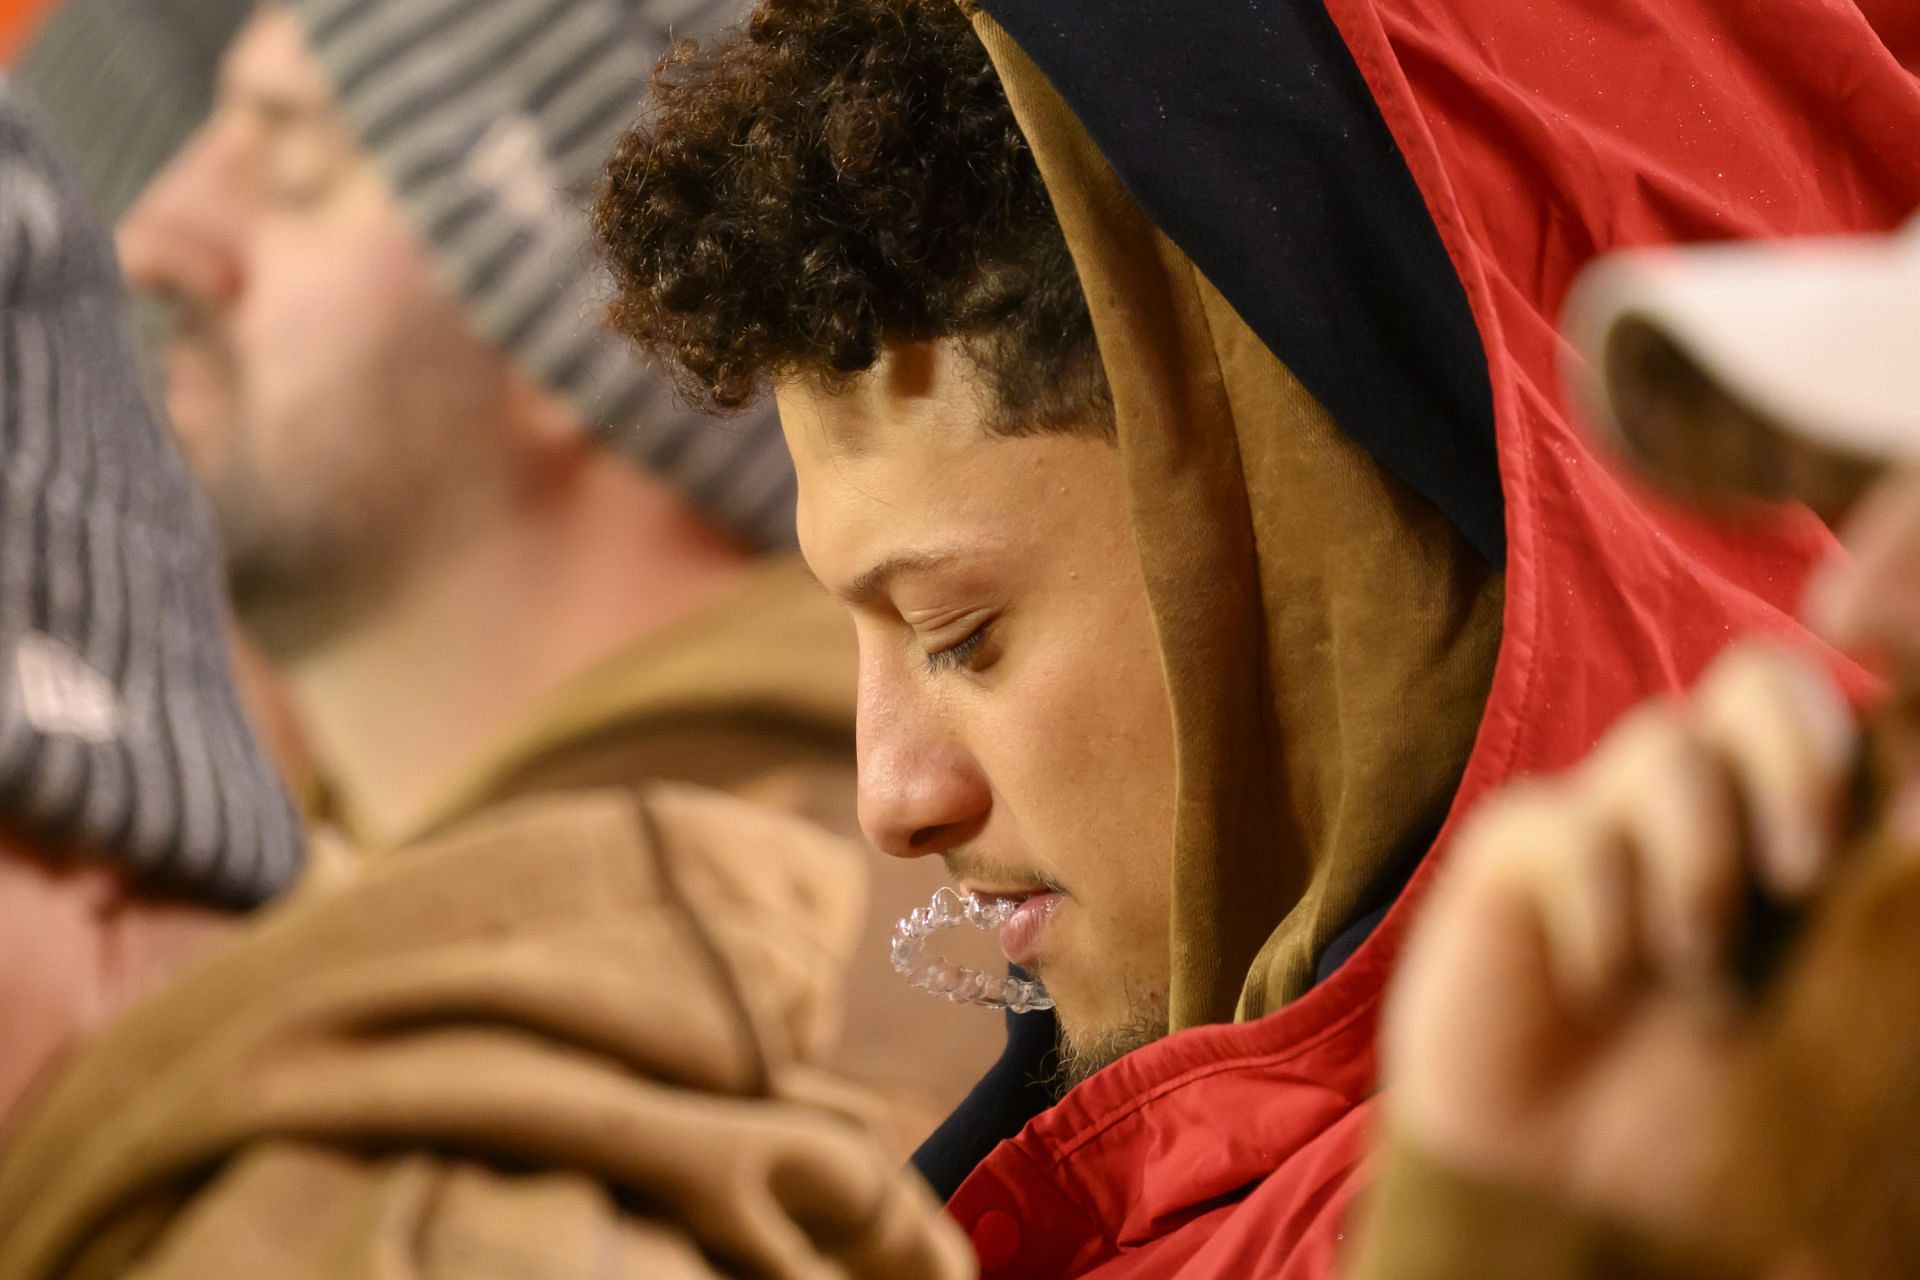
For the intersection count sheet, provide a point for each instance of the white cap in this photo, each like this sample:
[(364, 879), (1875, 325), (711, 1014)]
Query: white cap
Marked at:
[(1695, 356)]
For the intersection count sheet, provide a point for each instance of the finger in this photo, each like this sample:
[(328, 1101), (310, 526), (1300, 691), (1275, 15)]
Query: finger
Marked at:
[(1788, 739), (1591, 915), (1676, 815), (1871, 597), (1575, 878)]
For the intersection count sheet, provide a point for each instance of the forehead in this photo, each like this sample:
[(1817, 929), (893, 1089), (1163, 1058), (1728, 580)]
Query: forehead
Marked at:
[(888, 443), (917, 398), (901, 462)]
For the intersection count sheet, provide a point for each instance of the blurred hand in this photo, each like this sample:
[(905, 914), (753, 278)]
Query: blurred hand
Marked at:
[(1870, 597), (1867, 601), (1564, 1015)]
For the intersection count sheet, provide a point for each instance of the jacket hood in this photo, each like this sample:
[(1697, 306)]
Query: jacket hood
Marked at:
[(1330, 242)]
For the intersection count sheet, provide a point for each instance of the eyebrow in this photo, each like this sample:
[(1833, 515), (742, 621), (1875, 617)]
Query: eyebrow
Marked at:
[(871, 582)]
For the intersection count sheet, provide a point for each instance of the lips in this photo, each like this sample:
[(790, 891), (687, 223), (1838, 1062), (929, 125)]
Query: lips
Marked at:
[(1025, 931)]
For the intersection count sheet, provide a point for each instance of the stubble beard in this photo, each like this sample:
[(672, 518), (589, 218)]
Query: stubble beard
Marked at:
[(289, 591), (1083, 1054), (306, 557), (277, 564), (319, 540)]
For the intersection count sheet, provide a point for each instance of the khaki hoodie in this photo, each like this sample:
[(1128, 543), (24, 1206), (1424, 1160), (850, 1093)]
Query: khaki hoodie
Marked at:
[(577, 1036)]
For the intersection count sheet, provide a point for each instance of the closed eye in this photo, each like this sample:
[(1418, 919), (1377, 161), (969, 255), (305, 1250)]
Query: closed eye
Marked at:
[(963, 654)]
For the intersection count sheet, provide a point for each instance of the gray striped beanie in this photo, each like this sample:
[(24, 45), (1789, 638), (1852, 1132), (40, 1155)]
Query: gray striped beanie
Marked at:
[(494, 119), (121, 735)]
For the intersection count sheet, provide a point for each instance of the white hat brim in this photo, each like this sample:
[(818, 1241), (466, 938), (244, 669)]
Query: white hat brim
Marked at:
[(1819, 338)]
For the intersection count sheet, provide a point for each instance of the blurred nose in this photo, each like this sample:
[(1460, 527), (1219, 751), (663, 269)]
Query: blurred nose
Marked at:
[(921, 792), (183, 237)]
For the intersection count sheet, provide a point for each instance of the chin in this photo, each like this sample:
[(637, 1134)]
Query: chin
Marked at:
[(1089, 1045)]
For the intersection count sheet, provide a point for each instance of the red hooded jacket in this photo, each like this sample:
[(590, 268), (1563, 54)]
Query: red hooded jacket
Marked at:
[(1537, 135)]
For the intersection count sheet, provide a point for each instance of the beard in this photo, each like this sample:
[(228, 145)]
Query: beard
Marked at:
[(297, 582), (324, 503), (1081, 1054), (268, 551), (303, 548)]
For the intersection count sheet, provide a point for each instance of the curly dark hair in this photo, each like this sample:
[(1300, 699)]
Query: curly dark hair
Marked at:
[(832, 174)]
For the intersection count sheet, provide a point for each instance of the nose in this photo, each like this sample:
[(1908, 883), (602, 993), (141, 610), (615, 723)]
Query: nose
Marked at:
[(183, 236), (921, 791)]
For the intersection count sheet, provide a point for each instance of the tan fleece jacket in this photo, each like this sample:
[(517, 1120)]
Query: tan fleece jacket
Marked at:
[(576, 1037)]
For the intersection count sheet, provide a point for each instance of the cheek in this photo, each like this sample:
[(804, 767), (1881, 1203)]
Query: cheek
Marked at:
[(321, 306), (1083, 742)]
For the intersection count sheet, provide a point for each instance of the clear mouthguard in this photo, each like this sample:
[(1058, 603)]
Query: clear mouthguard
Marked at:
[(950, 909)]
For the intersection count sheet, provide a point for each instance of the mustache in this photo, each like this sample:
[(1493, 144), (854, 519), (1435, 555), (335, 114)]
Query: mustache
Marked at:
[(968, 864), (182, 319)]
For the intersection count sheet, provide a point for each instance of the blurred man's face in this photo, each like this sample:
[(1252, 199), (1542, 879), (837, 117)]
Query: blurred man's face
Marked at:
[(327, 389), (1013, 714)]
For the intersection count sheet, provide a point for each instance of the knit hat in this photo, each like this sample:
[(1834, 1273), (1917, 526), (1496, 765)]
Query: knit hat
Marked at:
[(121, 734), (493, 119), (125, 82)]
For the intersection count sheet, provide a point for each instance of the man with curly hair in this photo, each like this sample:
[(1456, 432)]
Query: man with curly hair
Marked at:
[(816, 258), (1170, 390)]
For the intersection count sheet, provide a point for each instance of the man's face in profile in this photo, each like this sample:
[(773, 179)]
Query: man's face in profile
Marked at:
[(325, 385), (1013, 714)]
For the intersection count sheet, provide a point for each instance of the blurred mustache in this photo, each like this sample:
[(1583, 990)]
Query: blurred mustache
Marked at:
[(194, 324), (966, 864)]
